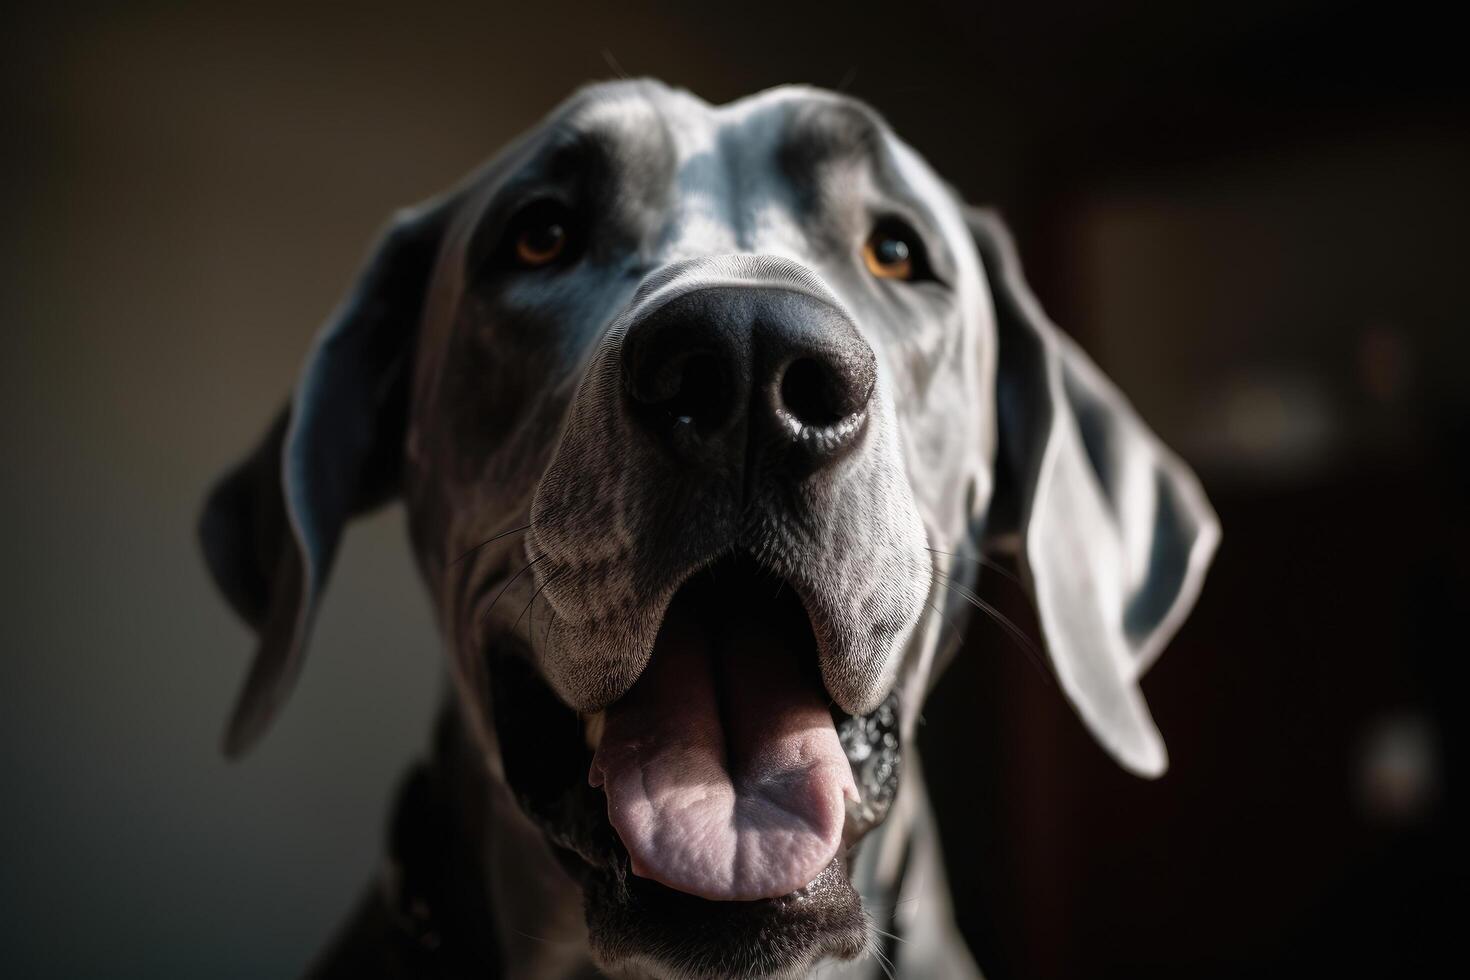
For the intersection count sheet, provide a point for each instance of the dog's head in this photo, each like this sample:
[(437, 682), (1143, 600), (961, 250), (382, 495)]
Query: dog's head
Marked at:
[(695, 411)]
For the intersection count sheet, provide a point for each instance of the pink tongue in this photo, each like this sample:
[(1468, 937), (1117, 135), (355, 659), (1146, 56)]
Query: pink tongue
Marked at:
[(723, 772)]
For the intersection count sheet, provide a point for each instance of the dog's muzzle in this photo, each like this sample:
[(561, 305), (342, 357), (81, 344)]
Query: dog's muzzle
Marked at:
[(731, 566), (724, 772)]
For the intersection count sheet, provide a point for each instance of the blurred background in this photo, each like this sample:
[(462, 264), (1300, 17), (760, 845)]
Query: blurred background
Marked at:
[(1253, 214)]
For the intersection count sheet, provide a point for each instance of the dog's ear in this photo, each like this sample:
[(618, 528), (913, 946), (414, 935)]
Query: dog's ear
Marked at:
[(271, 525), (1112, 530)]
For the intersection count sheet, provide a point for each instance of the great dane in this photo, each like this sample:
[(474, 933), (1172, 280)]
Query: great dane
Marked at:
[(706, 419)]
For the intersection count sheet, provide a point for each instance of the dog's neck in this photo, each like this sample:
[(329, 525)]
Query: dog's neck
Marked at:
[(468, 883)]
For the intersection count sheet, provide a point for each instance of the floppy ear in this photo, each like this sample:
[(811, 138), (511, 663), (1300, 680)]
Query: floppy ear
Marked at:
[(1113, 531), (271, 525)]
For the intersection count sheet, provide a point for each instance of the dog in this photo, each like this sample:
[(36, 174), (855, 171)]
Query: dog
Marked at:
[(705, 419)]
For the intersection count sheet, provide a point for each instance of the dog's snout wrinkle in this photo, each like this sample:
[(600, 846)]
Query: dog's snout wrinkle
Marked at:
[(767, 371)]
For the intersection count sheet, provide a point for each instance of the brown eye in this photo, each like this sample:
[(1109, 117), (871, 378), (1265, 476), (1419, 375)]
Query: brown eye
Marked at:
[(889, 255), (540, 243)]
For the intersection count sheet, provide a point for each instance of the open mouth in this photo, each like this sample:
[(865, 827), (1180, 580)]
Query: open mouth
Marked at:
[(712, 813), (723, 769)]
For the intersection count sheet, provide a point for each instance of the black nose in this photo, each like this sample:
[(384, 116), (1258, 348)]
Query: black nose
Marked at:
[(726, 372)]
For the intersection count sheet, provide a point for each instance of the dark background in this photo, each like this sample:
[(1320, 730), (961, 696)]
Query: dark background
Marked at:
[(1253, 215)]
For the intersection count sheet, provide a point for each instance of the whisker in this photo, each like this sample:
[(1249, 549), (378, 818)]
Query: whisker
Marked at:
[(546, 637), (984, 562), (893, 907), (508, 582), (550, 620), (1018, 634), (534, 596), (530, 621), (489, 540), (612, 62), (883, 961), (947, 622)]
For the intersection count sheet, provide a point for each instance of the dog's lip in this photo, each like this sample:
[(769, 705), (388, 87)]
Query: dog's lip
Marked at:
[(594, 706), (593, 709), (635, 920)]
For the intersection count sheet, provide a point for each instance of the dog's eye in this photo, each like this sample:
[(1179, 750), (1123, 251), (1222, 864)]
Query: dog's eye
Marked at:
[(895, 251), (540, 235), (540, 244)]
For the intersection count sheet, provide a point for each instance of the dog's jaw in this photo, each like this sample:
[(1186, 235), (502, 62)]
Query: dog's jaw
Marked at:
[(631, 920)]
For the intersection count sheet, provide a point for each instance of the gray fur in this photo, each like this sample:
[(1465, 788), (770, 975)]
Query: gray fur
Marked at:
[(491, 399)]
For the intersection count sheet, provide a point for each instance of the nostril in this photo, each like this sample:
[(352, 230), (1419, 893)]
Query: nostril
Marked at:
[(816, 395), (703, 395), (693, 389)]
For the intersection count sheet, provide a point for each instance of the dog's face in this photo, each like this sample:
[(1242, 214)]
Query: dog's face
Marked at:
[(719, 360), (692, 408), (756, 329)]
